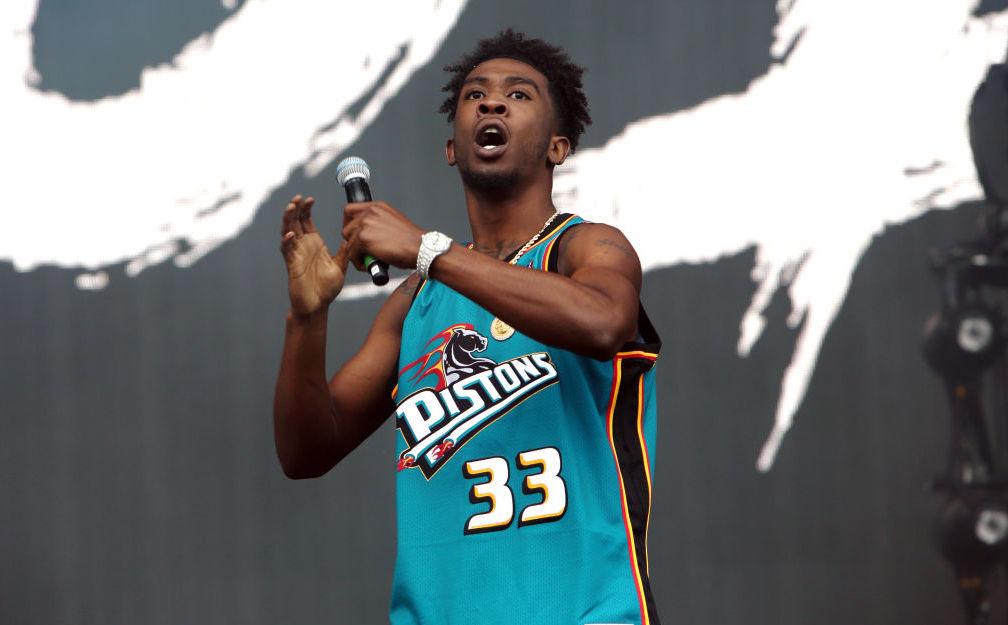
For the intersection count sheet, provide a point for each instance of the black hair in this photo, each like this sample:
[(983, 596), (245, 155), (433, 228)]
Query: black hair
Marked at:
[(563, 76)]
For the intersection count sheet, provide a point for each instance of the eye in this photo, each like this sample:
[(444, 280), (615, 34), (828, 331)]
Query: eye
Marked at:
[(473, 95), (519, 95)]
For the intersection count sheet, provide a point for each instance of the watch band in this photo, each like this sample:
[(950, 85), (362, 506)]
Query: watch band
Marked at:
[(432, 245)]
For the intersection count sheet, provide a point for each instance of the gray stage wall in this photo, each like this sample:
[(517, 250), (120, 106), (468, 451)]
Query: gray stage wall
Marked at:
[(139, 478)]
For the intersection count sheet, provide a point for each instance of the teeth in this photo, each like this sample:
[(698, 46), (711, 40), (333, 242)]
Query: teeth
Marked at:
[(492, 138), (490, 132)]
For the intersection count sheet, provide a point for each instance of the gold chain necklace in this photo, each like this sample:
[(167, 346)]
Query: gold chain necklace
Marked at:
[(498, 328), (535, 237)]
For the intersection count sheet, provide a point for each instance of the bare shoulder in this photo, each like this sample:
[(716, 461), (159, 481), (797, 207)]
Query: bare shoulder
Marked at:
[(597, 244)]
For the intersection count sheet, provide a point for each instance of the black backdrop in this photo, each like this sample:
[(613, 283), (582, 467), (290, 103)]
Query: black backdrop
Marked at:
[(139, 478)]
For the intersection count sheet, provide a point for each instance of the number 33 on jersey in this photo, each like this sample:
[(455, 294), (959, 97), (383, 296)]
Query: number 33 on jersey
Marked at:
[(495, 490)]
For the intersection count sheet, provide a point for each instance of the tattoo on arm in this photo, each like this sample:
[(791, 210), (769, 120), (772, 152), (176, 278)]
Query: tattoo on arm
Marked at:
[(501, 251), (408, 286), (616, 244), (601, 237)]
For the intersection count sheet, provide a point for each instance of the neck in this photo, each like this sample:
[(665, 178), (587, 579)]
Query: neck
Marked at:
[(503, 223)]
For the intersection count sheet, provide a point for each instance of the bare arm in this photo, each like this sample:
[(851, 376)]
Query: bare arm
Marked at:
[(589, 308), (316, 424)]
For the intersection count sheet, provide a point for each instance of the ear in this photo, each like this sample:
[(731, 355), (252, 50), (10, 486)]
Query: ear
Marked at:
[(449, 151), (559, 148)]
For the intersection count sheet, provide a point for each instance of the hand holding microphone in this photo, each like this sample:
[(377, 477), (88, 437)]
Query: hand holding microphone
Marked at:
[(315, 277), (374, 230), (353, 175)]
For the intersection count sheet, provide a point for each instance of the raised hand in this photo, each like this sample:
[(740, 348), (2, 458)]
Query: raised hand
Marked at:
[(314, 277)]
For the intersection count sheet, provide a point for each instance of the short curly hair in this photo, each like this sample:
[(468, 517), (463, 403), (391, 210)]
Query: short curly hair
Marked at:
[(564, 77)]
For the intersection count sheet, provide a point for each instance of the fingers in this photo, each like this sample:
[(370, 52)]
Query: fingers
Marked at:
[(295, 222), (351, 235), (287, 244), (354, 209), (341, 258), (291, 222), (351, 248), (304, 215), (349, 227)]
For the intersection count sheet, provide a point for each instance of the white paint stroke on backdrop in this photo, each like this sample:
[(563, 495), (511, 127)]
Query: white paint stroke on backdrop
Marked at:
[(861, 126), (173, 169)]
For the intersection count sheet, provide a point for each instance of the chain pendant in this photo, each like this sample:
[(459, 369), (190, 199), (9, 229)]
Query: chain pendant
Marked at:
[(500, 330)]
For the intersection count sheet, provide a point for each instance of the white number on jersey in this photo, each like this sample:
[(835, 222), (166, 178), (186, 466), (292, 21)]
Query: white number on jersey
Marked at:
[(547, 481), (496, 492)]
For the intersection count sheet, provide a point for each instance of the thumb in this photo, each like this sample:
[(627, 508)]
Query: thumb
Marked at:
[(341, 258)]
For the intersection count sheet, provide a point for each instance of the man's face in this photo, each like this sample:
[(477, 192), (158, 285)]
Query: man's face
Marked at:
[(504, 125)]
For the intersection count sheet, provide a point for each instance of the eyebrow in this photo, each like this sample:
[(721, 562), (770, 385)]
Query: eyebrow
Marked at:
[(510, 80)]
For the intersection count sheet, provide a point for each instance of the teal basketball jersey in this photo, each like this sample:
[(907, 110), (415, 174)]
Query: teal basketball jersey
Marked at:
[(524, 470)]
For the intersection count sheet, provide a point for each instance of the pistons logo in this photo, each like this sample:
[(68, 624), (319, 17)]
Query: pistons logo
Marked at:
[(466, 393), (450, 356)]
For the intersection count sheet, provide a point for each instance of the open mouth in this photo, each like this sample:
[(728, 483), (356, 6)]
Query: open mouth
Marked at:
[(491, 139)]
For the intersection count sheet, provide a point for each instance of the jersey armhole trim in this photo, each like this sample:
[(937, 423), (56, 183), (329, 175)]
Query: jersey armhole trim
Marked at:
[(421, 284), (551, 257)]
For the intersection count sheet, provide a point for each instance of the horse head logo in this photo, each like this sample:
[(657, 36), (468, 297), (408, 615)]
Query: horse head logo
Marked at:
[(458, 356)]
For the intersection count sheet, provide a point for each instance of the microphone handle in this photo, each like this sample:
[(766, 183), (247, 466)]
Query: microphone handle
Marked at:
[(357, 190)]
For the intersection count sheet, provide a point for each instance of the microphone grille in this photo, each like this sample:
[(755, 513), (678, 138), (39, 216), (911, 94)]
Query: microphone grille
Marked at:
[(352, 167)]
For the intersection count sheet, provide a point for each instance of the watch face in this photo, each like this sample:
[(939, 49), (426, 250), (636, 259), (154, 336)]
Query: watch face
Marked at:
[(436, 241)]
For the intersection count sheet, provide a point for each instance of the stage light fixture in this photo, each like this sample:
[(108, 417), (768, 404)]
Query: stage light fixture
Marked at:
[(963, 341)]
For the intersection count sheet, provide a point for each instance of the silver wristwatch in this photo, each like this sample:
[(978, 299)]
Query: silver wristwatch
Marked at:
[(432, 245)]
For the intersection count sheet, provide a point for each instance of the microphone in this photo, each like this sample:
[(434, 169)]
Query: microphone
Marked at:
[(353, 174)]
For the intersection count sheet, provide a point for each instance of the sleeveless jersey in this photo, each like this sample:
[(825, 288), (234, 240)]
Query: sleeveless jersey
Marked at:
[(524, 470)]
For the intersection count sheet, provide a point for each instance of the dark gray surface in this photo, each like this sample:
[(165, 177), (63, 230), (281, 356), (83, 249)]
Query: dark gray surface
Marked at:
[(140, 482)]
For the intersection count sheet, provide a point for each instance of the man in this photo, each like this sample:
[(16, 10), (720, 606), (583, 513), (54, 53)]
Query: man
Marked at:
[(519, 368)]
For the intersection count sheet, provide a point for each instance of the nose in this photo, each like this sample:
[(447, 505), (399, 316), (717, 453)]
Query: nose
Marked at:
[(492, 105)]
